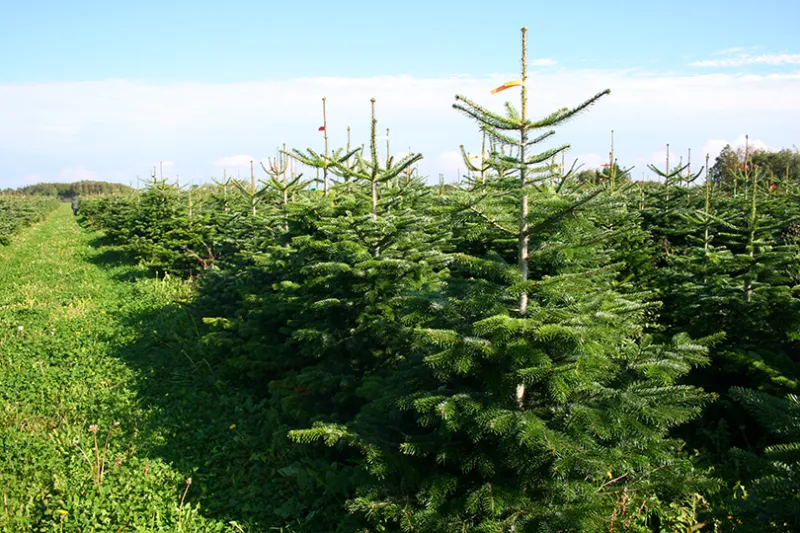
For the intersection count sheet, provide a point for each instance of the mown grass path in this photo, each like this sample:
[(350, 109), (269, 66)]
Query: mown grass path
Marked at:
[(104, 415)]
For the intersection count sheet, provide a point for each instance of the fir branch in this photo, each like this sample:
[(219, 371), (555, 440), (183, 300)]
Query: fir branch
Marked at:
[(565, 114), (492, 221), (484, 116), (564, 212)]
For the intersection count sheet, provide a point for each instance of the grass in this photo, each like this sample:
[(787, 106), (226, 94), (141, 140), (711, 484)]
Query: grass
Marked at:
[(109, 420)]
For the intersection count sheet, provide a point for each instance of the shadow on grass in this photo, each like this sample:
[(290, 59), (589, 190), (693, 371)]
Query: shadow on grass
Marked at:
[(204, 427), (99, 240), (219, 430), (110, 254)]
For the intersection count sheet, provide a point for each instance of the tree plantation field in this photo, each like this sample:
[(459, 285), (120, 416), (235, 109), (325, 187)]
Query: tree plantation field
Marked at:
[(533, 349)]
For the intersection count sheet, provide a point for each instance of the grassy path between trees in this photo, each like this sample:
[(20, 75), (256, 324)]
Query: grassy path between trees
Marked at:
[(109, 420)]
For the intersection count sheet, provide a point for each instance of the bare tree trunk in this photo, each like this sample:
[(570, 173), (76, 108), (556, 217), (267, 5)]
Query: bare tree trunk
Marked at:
[(523, 225), (325, 131)]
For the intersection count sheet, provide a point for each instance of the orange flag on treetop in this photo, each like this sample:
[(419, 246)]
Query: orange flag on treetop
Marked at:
[(507, 85)]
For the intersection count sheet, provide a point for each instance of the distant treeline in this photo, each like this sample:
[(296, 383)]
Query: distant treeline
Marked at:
[(68, 190)]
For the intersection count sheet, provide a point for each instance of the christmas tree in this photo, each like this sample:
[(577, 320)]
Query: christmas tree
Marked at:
[(529, 398)]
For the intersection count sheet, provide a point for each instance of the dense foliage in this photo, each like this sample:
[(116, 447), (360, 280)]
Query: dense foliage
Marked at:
[(388, 327), (17, 213)]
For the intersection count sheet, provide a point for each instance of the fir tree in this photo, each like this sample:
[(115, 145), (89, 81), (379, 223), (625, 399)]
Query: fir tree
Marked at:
[(771, 500), (733, 272), (316, 324), (529, 400)]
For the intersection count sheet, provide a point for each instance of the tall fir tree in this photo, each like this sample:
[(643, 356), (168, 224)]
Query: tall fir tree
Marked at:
[(529, 400)]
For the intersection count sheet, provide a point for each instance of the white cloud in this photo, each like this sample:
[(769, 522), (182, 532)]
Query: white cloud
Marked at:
[(451, 164), (73, 174), (119, 128), (754, 144), (588, 161), (713, 147), (543, 62), (728, 51), (659, 160), (240, 160), (746, 59)]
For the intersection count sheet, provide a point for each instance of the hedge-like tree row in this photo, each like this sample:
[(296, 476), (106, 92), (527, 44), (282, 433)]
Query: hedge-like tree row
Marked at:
[(527, 351)]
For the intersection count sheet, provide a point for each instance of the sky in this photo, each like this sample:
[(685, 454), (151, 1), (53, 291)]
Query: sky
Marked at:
[(107, 90)]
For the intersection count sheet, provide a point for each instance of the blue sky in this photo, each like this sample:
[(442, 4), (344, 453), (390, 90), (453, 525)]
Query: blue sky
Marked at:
[(103, 90)]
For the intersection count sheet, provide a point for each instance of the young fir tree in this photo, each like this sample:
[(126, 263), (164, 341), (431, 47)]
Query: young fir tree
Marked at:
[(530, 399), (734, 272), (666, 207), (769, 500), (317, 321), (161, 229), (331, 163)]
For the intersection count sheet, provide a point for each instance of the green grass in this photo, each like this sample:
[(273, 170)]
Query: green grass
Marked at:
[(106, 408)]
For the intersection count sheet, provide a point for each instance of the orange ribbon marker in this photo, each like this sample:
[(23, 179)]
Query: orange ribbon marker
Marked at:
[(507, 85)]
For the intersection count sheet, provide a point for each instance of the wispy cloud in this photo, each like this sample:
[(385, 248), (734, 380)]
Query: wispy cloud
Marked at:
[(746, 59), (543, 62), (737, 50), (727, 51)]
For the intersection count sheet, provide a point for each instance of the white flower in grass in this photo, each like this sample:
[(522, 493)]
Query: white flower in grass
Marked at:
[(20, 328)]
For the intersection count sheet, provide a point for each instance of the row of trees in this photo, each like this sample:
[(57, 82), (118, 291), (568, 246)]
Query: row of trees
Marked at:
[(17, 213), (528, 351), (781, 166), (64, 191)]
